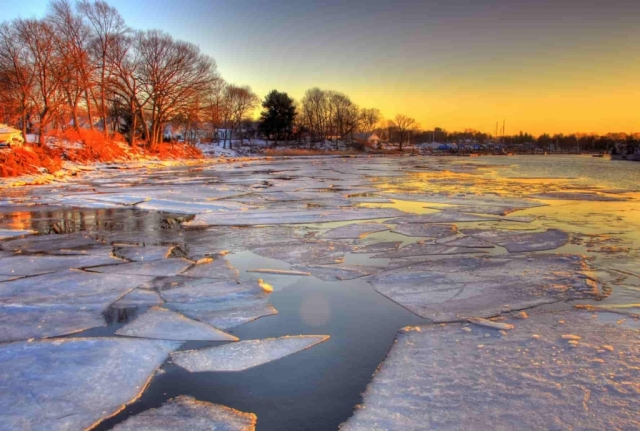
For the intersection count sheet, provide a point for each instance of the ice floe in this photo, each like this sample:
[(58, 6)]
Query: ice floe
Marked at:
[(138, 298), (8, 233), (338, 272), (165, 324), (442, 217), (426, 230), (517, 242), (213, 269), (244, 354), (457, 288), (73, 383), (440, 377), (187, 413), (425, 249), (576, 196), (154, 268), (276, 217), (354, 231), (309, 252), (32, 264), (140, 254)]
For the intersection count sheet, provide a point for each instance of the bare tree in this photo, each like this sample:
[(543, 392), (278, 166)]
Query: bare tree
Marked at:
[(405, 125), (107, 26), (174, 75), (369, 120), (315, 113), (17, 77), (72, 38), (46, 66)]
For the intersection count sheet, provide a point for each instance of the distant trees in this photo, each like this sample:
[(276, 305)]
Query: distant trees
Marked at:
[(278, 116), (404, 126), (236, 104)]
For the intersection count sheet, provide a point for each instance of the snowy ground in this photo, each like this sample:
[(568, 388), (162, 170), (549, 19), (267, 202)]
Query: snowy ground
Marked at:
[(118, 278)]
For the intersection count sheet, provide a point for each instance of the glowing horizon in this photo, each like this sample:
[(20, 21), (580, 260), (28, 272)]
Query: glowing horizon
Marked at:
[(550, 67)]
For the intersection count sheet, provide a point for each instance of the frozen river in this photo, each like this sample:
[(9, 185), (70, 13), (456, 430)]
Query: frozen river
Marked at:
[(507, 288)]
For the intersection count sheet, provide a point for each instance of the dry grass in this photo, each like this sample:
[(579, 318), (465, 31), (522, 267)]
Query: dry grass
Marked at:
[(28, 160), (84, 147)]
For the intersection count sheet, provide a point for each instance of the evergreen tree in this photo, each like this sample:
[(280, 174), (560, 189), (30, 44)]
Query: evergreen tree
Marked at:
[(278, 115)]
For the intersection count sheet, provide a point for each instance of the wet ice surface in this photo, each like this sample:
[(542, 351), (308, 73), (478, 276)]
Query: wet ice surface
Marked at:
[(458, 288), (187, 413), (73, 384), (517, 242), (8, 233), (164, 324), (447, 238), (533, 377), (244, 354)]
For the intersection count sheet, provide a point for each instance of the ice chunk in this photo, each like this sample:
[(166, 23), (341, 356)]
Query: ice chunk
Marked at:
[(577, 196), (186, 413), (225, 314), (164, 324), (339, 272), (279, 272), (73, 383), (466, 241), (214, 269), (530, 379), (22, 322), (156, 268), (138, 298), (244, 354), (461, 287), (426, 230), (425, 249), (354, 231), (212, 291), (517, 242), (378, 247), (8, 233), (286, 216), (33, 265), (181, 207), (442, 217), (140, 254), (48, 243), (306, 252)]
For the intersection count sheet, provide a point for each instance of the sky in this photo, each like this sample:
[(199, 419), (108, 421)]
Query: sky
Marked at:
[(555, 66)]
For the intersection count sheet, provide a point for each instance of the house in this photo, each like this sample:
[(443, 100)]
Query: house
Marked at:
[(370, 138)]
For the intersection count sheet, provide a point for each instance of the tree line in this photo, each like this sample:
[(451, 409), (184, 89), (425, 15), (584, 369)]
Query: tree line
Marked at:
[(81, 66)]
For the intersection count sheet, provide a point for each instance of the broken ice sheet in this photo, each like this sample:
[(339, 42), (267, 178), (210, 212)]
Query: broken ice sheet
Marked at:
[(187, 413), (378, 247), (140, 254), (577, 196), (195, 207), (276, 217), (354, 231), (244, 354), (461, 287), (442, 217), (527, 382), (466, 241), (215, 269), (73, 383), (32, 265), (517, 242), (154, 268), (306, 252), (138, 298), (8, 233), (49, 243), (426, 230), (164, 324), (425, 249), (338, 272), (225, 314)]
